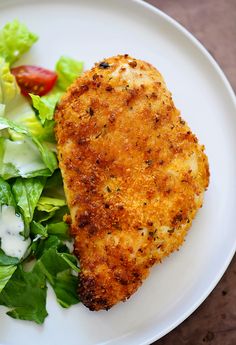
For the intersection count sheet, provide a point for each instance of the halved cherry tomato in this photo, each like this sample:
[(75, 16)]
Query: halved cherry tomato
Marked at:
[(33, 79)]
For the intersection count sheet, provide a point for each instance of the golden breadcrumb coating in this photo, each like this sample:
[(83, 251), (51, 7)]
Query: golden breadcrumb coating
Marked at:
[(134, 175)]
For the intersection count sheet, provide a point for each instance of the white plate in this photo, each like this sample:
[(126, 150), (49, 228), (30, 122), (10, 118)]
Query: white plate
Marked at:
[(91, 30)]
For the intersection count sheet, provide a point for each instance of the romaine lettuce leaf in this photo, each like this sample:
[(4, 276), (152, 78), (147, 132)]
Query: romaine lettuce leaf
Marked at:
[(45, 105), (43, 217), (27, 193), (38, 230), (6, 170), (60, 214), (67, 70), (15, 40), (51, 263), (48, 157), (60, 229), (65, 288), (21, 158), (70, 260), (25, 294), (6, 196), (35, 128), (6, 273), (8, 85), (8, 124), (51, 210), (51, 223), (47, 204), (52, 207), (54, 186), (57, 267), (55, 264), (21, 112), (6, 260)]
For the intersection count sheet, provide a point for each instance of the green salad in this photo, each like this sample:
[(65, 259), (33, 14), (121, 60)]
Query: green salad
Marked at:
[(35, 245)]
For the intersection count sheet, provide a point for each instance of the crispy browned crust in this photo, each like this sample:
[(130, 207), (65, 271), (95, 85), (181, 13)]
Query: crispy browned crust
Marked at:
[(134, 175)]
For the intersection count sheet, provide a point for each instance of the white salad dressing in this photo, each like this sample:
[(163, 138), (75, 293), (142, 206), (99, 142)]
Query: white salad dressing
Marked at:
[(11, 225), (24, 155)]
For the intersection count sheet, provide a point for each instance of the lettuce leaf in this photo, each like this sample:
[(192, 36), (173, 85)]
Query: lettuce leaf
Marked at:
[(52, 207), (6, 260), (6, 273), (60, 229), (54, 186), (15, 40), (45, 105), (65, 288), (25, 294), (43, 217), (27, 193), (51, 211), (21, 112), (48, 157), (8, 85), (38, 230), (6, 196), (57, 267), (8, 124), (47, 204), (21, 158), (67, 70)]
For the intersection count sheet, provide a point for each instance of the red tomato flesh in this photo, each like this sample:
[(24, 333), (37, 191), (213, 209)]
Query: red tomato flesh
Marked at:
[(34, 79)]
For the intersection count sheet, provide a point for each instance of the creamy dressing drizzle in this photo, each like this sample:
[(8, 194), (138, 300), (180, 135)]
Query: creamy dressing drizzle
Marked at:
[(12, 243), (24, 155)]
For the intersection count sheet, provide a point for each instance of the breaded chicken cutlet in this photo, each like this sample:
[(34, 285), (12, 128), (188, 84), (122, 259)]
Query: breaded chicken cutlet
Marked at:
[(134, 175)]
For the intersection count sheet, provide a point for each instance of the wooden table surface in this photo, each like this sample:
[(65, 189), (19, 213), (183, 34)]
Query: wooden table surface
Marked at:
[(213, 22)]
